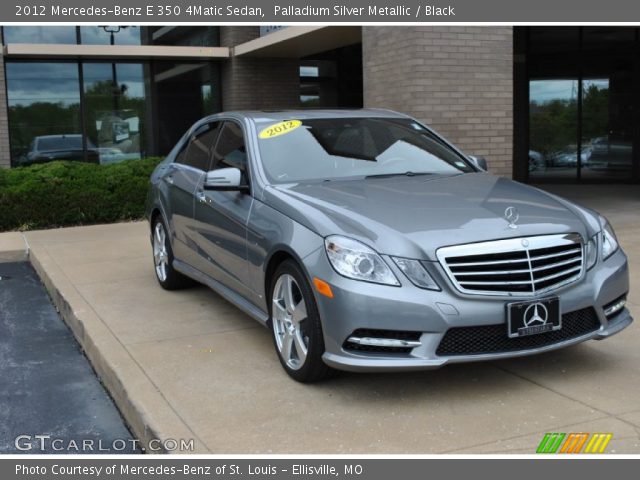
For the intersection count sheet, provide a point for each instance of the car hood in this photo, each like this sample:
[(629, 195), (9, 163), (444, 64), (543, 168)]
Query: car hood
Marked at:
[(414, 216)]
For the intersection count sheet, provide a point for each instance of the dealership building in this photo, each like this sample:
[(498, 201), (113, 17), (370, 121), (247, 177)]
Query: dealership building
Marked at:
[(542, 104)]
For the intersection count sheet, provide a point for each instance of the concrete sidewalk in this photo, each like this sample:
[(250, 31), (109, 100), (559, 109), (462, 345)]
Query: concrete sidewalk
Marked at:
[(188, 365)]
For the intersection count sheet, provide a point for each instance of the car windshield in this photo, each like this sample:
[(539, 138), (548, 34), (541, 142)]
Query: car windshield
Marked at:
[(60, 143), (334, 148)]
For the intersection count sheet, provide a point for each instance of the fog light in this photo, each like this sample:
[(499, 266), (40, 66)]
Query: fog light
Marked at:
[(613, 308)]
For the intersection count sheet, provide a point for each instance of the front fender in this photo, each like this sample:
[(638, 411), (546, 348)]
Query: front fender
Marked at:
[(270, 234)]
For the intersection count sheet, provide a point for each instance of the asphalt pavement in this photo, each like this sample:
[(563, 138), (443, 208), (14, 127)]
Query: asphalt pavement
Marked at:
[(50, 398)]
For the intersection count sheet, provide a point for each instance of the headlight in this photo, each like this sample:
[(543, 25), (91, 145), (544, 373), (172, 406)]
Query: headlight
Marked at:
[(592, 251), (353, 259), (609, 240), (415, 271)]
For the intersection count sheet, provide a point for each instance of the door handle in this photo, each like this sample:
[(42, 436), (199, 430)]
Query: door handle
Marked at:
[(201, 197)]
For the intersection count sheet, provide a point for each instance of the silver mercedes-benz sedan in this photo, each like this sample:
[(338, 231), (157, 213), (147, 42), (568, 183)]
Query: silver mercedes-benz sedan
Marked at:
[(365, 241)]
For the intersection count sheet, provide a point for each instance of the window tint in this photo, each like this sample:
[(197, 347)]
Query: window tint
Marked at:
[(230, 150), (197, 153)]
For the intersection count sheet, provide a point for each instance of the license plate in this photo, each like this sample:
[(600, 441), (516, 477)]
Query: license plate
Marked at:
[(533, 317)]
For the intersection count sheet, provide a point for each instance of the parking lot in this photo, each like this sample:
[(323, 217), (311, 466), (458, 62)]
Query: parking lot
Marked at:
[(48, 387), (188, 364)]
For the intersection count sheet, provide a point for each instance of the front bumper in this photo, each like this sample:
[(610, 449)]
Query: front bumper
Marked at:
[(364, 306)]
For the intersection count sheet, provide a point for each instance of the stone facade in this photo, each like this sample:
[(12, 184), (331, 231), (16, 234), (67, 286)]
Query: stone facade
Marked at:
[(250, 83), (457, 79)]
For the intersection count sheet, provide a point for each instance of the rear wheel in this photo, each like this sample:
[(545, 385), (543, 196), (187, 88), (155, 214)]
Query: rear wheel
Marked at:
[(295, 324), (167, 276)]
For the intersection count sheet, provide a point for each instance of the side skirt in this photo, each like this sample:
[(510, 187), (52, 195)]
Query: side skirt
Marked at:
[(225, 292)]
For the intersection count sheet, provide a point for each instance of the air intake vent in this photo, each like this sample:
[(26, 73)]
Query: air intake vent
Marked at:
[(487, 339)]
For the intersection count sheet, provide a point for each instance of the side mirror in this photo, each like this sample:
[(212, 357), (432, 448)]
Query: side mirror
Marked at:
[(225, 179), (479, 162)]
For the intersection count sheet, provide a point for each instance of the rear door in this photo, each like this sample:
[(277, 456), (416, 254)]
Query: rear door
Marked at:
[(183, 178)]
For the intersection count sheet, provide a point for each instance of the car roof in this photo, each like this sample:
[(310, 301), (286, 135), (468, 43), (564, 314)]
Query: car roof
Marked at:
[(280, 115)]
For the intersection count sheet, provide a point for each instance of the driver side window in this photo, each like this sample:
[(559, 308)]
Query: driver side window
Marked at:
[(230, 149)]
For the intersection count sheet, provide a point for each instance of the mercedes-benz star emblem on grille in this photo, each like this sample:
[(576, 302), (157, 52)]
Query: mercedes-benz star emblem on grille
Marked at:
[(511, 215), (535, 314)]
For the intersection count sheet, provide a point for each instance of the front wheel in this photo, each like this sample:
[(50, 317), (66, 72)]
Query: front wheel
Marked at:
[(296, 326)]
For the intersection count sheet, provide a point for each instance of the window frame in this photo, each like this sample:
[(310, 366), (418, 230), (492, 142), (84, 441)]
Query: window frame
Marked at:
[(247, 169)]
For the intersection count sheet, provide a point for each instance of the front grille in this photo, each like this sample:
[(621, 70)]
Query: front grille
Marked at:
[(519, 266), (373, 333), (494, 339)]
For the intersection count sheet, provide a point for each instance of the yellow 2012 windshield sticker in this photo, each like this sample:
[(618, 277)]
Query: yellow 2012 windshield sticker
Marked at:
[(278, 129)]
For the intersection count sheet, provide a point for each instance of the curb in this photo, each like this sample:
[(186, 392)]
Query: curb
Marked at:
[(13, 247), (147, 413)]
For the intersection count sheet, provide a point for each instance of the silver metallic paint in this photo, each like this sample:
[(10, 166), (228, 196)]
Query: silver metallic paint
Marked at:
[(403, 216)]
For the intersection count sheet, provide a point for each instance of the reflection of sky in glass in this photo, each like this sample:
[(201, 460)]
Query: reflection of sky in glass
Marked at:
[(40, 35), (97, 36), (308, 71), (542, 91), (600, 84), (129, 74), (28, 83)]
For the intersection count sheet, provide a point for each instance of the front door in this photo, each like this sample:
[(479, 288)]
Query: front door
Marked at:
[(221, 216), (184, 178)]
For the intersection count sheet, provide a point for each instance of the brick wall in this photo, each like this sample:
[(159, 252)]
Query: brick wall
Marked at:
[(232, 36), (458, 80), (5, 155), (257, 83)]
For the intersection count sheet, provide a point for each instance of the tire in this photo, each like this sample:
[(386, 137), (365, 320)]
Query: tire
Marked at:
[(167, 276), (295, 325)]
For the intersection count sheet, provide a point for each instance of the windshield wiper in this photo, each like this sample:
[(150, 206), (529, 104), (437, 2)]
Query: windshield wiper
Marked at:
[(398, 174)]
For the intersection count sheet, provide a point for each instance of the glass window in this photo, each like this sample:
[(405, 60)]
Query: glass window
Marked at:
[(597, 38), (110, 35), (554, 39), (193, 35), (184, 93), (553, 128), (607, 127), (353, 147), (114, 95), (230, 149), (44, 112), (24, 34), (198, 152)]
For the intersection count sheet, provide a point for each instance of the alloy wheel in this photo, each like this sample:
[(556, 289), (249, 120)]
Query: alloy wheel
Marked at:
[(160, 253), (289, 315)]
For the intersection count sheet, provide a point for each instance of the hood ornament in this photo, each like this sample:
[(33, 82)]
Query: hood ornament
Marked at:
[(512, 215)]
